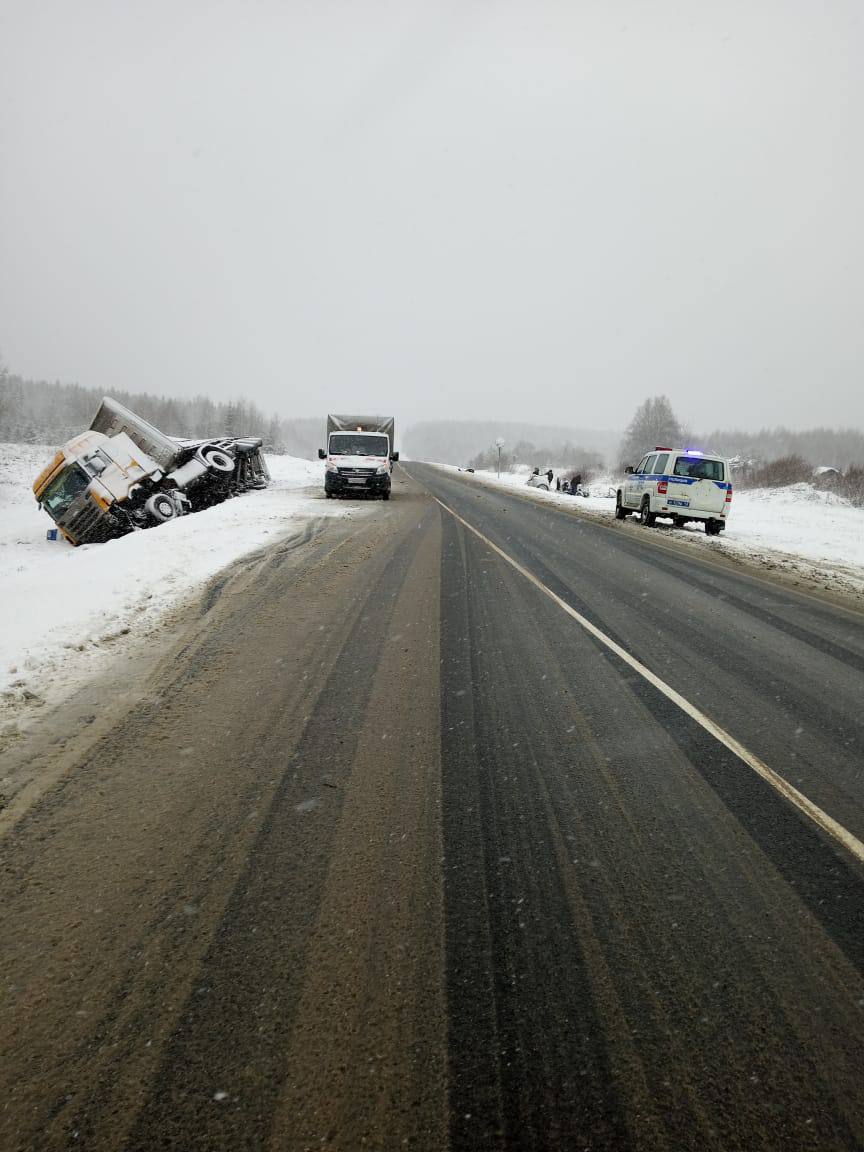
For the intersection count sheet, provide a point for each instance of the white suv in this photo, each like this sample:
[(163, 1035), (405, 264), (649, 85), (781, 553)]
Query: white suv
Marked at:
[(682, 485)]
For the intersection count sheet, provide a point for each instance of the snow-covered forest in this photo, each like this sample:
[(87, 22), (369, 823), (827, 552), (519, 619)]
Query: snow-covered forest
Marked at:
[(39, 412), (36, 411)]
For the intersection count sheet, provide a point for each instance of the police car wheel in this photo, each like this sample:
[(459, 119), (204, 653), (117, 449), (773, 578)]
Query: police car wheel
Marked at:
[(646, 516), (620, 510)]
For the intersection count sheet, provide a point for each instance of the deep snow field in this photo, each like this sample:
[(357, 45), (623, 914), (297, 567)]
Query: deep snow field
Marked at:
[(799, 528), (65, 611)]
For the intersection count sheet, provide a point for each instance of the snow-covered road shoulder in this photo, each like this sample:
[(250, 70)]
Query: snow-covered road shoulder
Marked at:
[(65, 610), (798, 530)]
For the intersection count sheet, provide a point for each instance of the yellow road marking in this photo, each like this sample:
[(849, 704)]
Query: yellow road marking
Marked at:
[(798, 799)]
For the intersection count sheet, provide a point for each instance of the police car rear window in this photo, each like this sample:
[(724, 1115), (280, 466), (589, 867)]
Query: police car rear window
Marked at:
[(698, 468)]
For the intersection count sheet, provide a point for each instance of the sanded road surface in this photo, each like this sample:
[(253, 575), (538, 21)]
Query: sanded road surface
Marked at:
[(390, 852)]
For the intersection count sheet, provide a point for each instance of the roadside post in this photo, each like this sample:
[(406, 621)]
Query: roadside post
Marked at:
[(499, 444)]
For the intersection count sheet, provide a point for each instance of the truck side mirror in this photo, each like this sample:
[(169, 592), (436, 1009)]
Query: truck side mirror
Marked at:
[(394, 456), (628, 470), (322, 455)]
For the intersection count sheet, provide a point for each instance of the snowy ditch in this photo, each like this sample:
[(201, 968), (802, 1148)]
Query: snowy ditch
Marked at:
[(64, 611)]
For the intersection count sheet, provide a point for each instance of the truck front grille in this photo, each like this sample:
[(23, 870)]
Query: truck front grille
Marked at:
[(356, 472), (88, 525)]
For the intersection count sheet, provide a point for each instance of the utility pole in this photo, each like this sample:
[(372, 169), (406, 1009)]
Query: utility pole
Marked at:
[(499, 443)]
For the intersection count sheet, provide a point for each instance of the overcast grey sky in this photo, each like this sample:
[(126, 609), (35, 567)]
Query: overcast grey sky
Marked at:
[(534, 209)]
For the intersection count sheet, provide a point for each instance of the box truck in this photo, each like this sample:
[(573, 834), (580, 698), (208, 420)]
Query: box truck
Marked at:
[(359, 455)]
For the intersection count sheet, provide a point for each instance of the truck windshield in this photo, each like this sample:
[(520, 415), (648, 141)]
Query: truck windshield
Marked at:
[(60, 493), (359, 444), (698, 468)]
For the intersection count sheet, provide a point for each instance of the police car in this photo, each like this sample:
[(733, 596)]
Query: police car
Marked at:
[(682, 484)]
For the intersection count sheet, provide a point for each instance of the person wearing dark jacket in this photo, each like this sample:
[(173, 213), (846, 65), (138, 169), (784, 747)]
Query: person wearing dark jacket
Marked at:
[(549, 475)]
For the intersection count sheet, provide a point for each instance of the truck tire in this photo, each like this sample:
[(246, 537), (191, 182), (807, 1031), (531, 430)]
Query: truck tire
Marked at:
[(385, 495), (646, 516), (160, 508), (620, 510), (217, 459), (712, 528)]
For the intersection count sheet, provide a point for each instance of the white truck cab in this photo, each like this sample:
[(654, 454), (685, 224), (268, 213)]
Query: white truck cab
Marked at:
[(359, 456), (683, 484)]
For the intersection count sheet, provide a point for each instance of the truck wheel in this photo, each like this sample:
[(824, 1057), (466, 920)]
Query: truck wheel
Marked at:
[(620, 510), (329, 495), (712, 528), (161, 508), (217, 460), (385, 495), (646, 516)]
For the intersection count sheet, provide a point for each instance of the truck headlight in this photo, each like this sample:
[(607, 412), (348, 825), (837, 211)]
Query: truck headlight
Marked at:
[(330, 467), (382, 470)]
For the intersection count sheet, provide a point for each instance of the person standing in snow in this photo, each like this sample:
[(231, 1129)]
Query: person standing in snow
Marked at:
[(557, 483), (549, 475)]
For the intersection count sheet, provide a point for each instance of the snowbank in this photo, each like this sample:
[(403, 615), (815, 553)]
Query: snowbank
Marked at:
[(63, 609), (800, 528)]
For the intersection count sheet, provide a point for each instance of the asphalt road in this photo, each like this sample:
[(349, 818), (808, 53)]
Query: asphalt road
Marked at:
[(392, 851)]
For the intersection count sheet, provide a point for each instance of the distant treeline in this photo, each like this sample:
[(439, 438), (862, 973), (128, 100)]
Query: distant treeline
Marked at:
[(461, 441), (38, 412), (568, 456), (830, 447), (654, 422), (473, 442)]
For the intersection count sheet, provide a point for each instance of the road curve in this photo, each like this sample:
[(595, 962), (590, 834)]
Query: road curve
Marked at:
[(391, 852)]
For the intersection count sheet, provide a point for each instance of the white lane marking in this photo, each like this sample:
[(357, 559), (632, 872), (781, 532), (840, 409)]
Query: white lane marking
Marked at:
[(822, 819)]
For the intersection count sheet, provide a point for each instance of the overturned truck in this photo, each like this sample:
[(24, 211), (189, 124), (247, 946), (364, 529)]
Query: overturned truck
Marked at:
[(124, 474)]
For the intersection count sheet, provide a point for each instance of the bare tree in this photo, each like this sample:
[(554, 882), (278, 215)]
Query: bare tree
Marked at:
[(653, 423)]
